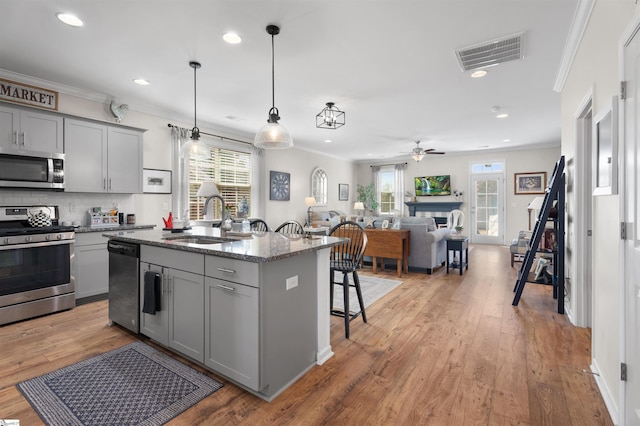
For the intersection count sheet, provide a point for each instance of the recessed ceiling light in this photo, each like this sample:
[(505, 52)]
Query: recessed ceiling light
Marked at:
[(70, 19), (232, 38), (502, 115), (478, 74), (506, 140), (327, 140), (141, 81), (483, 146)]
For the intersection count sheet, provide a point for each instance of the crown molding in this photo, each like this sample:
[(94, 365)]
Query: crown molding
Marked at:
[(576, 32)]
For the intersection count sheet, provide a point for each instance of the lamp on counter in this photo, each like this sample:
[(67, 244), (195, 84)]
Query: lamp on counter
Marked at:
[(330, 117), (534, 205), (358, 206), (208, 189), (309, 202)]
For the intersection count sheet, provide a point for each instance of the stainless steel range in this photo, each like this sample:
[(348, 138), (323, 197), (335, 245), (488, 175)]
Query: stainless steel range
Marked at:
[(36, 263)]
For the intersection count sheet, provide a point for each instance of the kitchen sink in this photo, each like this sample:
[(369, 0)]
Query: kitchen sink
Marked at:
[(195, 239)]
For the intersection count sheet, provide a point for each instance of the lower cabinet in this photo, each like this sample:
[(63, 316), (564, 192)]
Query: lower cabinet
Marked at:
[(180, 322), (91, 264), (232, 343)]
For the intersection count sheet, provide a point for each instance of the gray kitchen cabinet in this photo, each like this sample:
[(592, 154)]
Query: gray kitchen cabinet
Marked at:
[(25, 129), (102, 158), (180, 322), (232, 338), (91, 264)]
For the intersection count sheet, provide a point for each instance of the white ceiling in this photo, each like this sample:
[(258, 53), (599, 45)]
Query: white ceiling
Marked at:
[(389, 64)]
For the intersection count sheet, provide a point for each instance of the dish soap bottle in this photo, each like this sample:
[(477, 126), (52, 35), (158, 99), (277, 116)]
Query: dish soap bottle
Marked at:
[(246, 226)]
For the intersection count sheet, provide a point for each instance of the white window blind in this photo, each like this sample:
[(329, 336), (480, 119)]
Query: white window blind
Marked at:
[(230, 170)]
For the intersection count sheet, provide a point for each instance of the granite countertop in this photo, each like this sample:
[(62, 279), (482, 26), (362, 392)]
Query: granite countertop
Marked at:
[(123, 227), (259, 247)]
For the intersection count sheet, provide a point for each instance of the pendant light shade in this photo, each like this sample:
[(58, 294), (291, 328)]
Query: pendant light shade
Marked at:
[(273, 135), (194, 148)]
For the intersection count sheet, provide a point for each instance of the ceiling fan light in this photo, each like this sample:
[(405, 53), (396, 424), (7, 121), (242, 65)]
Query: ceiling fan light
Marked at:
[(417, 156)]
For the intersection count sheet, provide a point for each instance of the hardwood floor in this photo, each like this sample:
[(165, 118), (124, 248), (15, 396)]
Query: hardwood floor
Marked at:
[(440, 349)]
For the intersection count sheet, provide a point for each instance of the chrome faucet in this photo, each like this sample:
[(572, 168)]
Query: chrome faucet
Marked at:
[(206, 206)]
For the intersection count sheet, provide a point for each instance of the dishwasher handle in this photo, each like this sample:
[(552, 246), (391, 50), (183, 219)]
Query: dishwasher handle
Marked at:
[(125, 249)]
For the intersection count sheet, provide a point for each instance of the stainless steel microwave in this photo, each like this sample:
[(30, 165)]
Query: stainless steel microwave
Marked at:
[(35, 170)]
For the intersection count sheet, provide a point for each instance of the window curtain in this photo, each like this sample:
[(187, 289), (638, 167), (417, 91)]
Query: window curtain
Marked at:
[(180, 169), (375, 171), (399, 188)]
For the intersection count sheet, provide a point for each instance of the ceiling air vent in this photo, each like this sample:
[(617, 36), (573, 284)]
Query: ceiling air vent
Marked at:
[(491, 53)]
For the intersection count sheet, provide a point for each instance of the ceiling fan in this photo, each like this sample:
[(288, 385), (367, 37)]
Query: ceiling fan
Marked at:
[(418, 153)]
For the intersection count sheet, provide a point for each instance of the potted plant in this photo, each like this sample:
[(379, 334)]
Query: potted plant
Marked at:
[(459, 229), (367, 194)]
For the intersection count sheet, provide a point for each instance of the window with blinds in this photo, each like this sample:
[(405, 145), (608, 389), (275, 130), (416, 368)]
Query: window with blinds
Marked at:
[(231, 172)]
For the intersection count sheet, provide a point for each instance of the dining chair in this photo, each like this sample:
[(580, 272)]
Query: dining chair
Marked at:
[(259, 225), (290, 227), (455, 218), (345, 258)]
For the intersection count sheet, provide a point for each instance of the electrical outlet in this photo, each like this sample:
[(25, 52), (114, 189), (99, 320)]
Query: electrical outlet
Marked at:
[(73, 206), (292, 282)]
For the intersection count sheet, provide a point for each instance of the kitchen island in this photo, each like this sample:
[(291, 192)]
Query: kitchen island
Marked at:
[(254, 309)]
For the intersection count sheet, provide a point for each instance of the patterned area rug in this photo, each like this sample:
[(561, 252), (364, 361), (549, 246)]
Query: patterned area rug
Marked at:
[(372, 289), (132, 385)]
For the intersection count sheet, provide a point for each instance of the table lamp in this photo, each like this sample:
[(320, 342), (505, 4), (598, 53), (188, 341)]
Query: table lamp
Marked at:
[(358, 206), (309, 202), (536, 204), (207, 189)]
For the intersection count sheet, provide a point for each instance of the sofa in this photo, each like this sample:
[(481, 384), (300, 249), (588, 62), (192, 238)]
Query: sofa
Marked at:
[(322, 218), (427, 243)]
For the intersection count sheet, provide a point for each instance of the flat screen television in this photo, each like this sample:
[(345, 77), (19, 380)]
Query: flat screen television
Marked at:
[(433, 185)]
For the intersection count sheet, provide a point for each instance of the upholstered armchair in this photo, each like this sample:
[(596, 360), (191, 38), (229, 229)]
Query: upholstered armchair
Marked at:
[(520, 245)]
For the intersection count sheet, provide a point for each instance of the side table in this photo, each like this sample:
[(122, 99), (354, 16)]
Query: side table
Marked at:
[(321, 230), (458, 245)]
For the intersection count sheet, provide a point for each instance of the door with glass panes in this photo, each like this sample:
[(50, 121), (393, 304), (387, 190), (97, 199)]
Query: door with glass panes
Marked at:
[(487, 209)]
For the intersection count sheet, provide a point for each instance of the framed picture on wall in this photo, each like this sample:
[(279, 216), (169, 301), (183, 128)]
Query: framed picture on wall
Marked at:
[(279, 186), (605, 132), (156, 181), (343, 192), (529, 183)]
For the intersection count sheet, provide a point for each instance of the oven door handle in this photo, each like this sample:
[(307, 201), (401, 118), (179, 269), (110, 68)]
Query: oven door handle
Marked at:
[(38, 244)]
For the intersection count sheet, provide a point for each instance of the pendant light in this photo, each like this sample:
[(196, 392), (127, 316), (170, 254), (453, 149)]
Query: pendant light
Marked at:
[(273, 135), (330, 117), (194, 148)]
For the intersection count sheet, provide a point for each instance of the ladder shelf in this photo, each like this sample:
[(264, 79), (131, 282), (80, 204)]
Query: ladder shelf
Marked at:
[(554, 193)]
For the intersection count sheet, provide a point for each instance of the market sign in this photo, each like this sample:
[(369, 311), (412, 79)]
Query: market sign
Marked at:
[(29, 95)]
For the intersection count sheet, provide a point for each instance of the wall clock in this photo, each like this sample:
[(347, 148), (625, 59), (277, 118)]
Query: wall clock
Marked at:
[(279, 186)]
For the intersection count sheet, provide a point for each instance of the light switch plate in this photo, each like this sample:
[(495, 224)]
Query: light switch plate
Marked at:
[(292, 282)]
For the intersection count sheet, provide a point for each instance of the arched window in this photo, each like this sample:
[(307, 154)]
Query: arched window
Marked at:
[(319, 186)]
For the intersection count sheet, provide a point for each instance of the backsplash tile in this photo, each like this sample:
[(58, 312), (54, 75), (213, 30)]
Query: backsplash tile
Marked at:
[(72, 206)]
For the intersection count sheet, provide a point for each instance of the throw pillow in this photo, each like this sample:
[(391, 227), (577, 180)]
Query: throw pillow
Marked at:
[(335, 220), (369, 221)]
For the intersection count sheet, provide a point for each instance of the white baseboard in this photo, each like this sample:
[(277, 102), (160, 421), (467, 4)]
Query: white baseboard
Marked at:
[(609, 401)]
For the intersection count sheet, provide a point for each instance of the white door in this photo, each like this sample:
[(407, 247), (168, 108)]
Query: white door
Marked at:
[(631, 215), (487, 208)]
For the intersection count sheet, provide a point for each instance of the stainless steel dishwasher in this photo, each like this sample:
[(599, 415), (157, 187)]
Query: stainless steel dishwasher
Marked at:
[(124, 287)]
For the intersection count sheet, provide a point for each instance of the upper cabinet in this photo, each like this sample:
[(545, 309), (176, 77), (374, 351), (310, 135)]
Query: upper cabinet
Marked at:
[(102, 158), (30, 130)]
